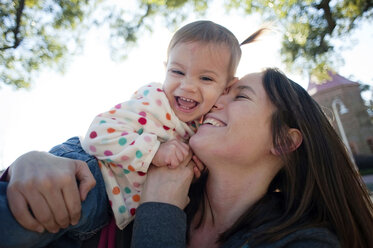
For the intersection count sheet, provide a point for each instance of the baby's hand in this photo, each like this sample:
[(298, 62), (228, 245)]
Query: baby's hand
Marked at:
[(171, 153)]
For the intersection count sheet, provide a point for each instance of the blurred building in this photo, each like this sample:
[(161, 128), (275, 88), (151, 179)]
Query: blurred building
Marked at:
[(349, 106)]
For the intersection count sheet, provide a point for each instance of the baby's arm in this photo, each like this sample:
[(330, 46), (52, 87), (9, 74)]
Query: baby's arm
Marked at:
[(117, 136), (130, 133), (171, 153)]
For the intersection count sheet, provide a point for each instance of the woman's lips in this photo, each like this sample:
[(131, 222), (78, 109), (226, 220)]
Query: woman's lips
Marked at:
[(214, 122)]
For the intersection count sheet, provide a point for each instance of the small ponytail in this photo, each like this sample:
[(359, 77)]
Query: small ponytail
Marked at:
[(254, 37)]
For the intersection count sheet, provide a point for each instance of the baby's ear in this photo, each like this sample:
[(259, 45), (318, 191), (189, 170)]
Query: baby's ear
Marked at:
[(229, 85), (232, 82), (296, 140)]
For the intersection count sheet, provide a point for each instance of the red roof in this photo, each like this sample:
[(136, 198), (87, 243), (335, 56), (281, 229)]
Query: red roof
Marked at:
[(336, 81)]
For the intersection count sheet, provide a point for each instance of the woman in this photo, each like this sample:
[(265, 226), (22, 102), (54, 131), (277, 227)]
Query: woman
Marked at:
[(277, 176)]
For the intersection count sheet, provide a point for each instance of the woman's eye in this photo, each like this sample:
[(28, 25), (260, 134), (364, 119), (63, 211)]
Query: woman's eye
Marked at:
[(242, 97), (207, 79), (177, 72)]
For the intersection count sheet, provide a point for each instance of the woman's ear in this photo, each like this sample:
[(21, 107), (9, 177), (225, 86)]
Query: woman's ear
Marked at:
[(296, 140)]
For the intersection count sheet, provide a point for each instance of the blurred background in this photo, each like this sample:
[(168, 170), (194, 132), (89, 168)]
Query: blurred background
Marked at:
[(63, 62)]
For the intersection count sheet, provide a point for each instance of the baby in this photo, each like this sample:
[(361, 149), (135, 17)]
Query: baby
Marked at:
[(155, 124)]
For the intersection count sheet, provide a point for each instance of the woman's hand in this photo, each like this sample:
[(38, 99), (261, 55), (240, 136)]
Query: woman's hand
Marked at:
[(43, 192), (169, 185), (198, 168)]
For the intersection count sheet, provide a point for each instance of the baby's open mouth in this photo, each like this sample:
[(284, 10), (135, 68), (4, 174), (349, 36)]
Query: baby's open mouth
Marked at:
[(185, 103)]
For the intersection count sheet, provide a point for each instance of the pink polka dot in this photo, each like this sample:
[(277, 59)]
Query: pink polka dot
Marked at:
[(147, 139), (92, 148), (120, 166), (142, 113), (93, 135), (165, 127), (118, 106), (141, 173), (124, 158), (158, 102), (110, 173), (142, 121), (108, 153), (159, 90), (124, 133), (133, 142), (136, 184)]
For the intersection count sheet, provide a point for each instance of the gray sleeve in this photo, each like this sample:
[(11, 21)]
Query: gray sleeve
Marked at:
[(312, 237), (159, 225)]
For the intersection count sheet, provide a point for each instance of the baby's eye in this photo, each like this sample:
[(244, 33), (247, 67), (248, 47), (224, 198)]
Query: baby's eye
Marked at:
[(207, 79), (178, 72)]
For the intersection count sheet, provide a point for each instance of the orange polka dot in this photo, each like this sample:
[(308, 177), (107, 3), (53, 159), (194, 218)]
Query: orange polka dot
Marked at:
[(168, 116), (136, 198), (112, 111), (116, 190), (145, 103), (99, 164), (130, 168), (110, 130)]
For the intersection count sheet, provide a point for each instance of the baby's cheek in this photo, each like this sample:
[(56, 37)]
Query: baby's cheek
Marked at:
[(210, 102)]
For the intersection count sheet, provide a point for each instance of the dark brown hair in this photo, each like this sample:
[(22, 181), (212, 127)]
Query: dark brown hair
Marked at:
[(318, 185), (210, 32)]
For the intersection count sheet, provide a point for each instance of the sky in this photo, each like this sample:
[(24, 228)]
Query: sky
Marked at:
[(58, 106)]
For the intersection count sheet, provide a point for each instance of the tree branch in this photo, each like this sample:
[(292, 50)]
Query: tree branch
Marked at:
[(19, 13), (148, 10), (367, 6), (324, 5)]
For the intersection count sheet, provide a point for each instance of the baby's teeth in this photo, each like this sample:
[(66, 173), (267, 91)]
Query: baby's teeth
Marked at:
[(187, 99)]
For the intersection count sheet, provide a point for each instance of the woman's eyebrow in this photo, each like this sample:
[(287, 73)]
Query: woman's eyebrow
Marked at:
[(246, 87)]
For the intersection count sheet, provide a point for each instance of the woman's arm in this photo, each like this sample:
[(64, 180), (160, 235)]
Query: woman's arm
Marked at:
[(159, 225), (160, 220), (46, 185)]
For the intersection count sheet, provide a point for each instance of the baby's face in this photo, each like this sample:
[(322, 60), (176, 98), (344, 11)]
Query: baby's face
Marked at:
[(197, 74)]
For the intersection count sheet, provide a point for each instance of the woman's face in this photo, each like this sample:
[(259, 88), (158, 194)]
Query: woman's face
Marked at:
[(238, 128)]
